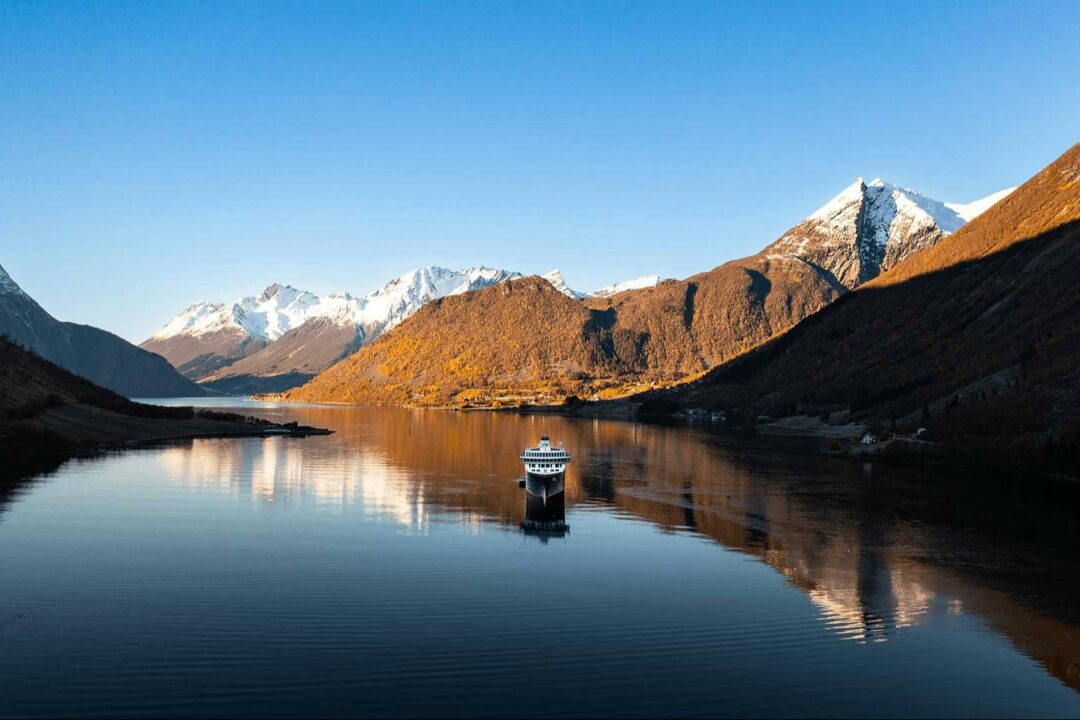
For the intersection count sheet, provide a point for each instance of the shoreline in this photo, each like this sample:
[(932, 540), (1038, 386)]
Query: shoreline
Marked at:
[(63, 432), (842, 440), (838, 439)]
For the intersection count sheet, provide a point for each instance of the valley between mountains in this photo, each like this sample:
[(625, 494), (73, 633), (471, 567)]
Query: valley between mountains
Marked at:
[(884, 307), (492, 337)]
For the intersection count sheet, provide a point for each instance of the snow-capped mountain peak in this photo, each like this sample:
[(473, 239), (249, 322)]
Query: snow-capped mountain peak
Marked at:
[(481, 276), (198, 319), (386, 307), (843, 201), (883, 201), (869, 227), (283, 294)]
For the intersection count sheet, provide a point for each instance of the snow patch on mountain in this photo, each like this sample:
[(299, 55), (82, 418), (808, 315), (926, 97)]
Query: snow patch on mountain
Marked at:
[(9, 286), (970, 211), (838, 210), (645, 281), (555, 277)]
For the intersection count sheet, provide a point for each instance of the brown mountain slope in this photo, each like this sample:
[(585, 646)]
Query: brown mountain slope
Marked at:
[(981, 332), (197, 357), (480, 344), (687, 326), (291, 360), (524, 340), (495, 347)]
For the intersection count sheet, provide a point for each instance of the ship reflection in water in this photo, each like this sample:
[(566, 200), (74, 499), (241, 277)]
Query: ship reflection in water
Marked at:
[(397, 543), (545, 517)]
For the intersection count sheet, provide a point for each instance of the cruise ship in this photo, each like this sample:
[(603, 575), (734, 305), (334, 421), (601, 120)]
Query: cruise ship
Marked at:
[(545, 468)]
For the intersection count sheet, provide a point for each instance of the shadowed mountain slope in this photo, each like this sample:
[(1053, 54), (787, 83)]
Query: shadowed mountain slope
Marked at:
[(48, 412), (29, 383), (977, 336), (94, 354)]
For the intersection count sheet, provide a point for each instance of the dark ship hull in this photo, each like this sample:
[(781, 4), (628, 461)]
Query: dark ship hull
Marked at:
[(544, 486)]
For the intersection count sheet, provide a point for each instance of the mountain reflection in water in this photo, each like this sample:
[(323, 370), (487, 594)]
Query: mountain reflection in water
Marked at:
[(870, 545), (877, 550)]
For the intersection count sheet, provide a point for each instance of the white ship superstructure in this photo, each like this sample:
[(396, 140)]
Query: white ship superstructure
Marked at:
[(545, 468)]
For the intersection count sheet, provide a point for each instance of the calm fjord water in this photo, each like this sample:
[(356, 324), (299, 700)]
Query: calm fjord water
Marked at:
[(384, 570)]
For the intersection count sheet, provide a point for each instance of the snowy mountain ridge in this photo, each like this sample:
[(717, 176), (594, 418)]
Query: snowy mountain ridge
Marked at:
[(281, 308), (292, 334), (645, 281), (555, 277)]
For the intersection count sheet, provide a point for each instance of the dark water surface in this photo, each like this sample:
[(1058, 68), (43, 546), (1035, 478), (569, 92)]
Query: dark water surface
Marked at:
[(386, 570)]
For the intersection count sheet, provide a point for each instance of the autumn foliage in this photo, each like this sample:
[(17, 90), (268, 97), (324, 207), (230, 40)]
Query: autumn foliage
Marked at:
[(523, 341)]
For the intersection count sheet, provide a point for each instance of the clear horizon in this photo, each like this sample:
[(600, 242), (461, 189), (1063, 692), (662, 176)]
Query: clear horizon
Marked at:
[(159, 155)]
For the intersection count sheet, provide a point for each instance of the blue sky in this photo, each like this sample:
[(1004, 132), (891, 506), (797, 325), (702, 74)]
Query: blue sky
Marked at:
[(154, 154)]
